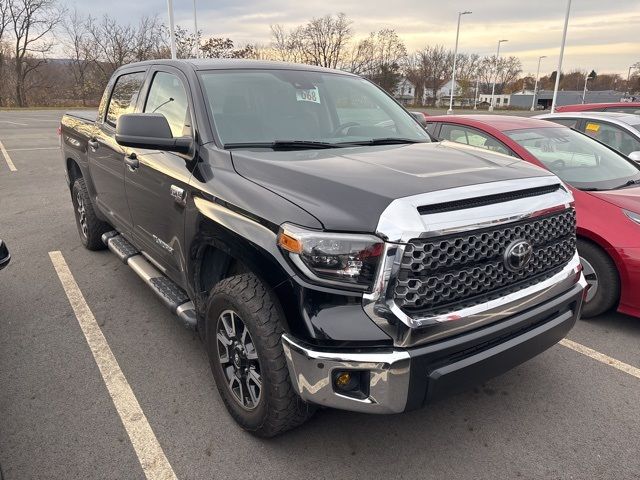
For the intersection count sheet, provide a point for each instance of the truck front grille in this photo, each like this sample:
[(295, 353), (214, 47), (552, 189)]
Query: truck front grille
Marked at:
[(447, 273)]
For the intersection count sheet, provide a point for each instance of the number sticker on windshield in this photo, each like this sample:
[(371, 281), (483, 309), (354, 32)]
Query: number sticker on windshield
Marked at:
[(308, 95), (593, 127)]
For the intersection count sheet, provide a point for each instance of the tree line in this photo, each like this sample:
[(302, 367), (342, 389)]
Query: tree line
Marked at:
[(33, 31)]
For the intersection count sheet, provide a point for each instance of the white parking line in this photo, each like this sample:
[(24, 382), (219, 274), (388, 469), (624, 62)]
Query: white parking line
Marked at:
[(7, 158), (32, 148), (150, 454), (13, 123), (601, 357)]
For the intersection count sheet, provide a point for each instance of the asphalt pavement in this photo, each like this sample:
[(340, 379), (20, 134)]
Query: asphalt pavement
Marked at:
[(562, 415)]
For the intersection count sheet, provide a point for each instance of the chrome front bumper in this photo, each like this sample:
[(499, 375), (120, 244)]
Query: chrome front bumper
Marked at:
[(403, 379), (311, 373)]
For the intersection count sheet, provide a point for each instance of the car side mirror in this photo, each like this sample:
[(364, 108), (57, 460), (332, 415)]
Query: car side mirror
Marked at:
[(635, 156), (420, 118), (151, 131)]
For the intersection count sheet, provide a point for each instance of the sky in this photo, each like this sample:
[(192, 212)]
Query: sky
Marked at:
[(603, 35)]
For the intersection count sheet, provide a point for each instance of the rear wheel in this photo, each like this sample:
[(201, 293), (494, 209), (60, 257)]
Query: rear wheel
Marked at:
[(603, 279), (243, 338), (89, 226)]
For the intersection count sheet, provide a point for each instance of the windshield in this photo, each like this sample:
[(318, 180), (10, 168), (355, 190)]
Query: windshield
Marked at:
[(260, 107), (576, 158)]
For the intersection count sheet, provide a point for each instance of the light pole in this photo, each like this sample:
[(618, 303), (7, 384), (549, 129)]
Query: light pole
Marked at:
[(584, 92), (475, 99), (455, 57), (493, 88), (564, 39), (195, 28), (535, 87), (172, 31), (629, 79)]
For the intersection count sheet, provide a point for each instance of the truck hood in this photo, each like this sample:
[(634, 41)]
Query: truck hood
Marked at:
[(347, 189), (627, 198)]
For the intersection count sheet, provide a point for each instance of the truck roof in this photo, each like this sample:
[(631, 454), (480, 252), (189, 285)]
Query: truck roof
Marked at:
[(236, 63)]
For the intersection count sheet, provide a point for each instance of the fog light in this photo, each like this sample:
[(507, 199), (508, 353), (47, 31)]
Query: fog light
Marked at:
[(343, 379)]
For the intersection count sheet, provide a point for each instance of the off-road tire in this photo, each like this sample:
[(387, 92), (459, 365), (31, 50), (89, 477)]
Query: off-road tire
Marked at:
[(608, 293), (279, 408), (91, 237)]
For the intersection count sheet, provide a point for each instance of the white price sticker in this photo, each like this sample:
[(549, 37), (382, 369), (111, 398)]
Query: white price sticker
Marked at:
[(308, 95)]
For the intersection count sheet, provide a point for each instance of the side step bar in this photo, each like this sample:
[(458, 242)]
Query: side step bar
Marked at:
[(174, 298)]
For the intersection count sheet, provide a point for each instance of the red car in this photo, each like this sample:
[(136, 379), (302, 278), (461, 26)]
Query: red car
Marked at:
[(605, 185), (620, 107)]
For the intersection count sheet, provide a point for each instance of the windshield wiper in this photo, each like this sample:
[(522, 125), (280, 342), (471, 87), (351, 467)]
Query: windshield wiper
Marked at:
[(384, 141), (284, 145), (629, 183)]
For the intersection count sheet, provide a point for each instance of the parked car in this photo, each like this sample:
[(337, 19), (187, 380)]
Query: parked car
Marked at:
[(620, 107), (5, 257), (620, 131), (604, 185), (327, 252)]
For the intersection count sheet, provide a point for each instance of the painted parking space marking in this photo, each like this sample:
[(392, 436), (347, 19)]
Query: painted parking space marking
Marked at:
[(57, 147), (601, 357), (14, 123), (7, 158), (147, 448)]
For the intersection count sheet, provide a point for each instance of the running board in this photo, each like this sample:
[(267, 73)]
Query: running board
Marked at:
[(173, 297)]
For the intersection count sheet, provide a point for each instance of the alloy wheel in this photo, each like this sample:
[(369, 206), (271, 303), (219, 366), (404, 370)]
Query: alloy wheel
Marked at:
[(591, 277), (239, 359), (82, 214)]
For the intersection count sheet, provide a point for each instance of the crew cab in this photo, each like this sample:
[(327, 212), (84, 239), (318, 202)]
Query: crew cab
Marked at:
[(327, 251)]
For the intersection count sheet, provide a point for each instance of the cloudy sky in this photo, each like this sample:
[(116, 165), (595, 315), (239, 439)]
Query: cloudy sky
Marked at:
[(603, 35)]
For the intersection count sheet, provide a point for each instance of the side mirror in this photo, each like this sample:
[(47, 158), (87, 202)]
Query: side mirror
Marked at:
[(419, 116), (635, 156), (151, 131)]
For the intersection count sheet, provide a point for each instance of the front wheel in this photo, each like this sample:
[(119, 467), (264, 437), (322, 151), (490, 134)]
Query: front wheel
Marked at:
[(243, 339), (603, 279)]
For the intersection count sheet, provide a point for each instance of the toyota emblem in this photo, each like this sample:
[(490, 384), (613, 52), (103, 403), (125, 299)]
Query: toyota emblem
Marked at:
[(517, 255)]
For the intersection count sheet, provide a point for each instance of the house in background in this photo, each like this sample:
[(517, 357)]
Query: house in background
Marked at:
[(405, 92)]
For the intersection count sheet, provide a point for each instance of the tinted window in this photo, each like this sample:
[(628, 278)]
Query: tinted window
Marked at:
[(124, 96), (575, 158), (261, 106), (471, 136), (613, 136), (168, 97), (567, 122)]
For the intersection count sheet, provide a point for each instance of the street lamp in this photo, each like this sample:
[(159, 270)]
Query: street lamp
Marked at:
[(172, 31), (564, 39), (195, 28), (535, 87), (475, 99), (455, 57), (493, 88)]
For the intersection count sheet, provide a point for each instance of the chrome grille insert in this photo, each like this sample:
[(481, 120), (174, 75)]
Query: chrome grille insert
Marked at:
[(439, 275)]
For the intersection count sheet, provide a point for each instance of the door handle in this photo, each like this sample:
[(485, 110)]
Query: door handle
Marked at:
[(93, 144), (132, 161)]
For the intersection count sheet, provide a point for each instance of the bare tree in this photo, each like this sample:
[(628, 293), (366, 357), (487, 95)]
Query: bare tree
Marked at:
[(32, 22), (77, 48), (435, 63), (5, 20)]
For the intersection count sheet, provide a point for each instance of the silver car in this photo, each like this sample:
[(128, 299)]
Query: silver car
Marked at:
[(620, 131)]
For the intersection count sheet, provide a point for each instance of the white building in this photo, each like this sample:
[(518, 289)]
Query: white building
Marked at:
[(405, 92), (499, 100)]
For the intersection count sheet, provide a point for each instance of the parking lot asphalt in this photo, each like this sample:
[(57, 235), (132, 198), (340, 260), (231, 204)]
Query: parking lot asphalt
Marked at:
[(561, 415)]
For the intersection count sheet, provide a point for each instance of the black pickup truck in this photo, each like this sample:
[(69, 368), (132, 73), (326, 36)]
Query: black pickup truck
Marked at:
[(325, 249)]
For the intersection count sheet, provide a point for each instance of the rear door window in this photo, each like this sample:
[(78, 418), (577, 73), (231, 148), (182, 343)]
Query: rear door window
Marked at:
[(124, 96)]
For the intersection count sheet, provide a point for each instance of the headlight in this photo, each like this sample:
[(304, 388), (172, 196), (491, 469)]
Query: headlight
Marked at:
[(343, 259), (633, 216)]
